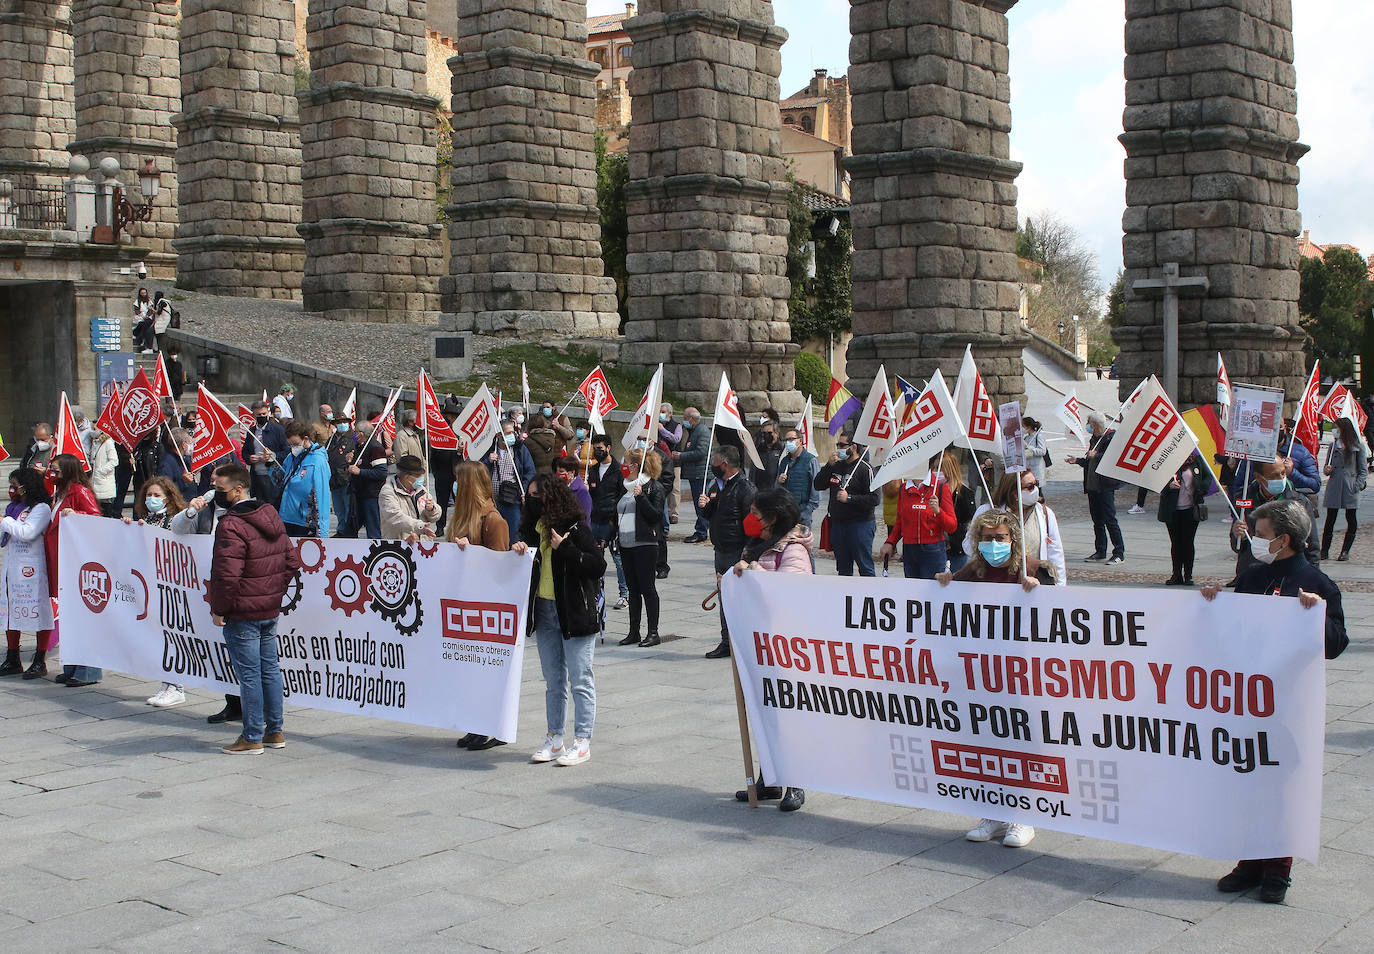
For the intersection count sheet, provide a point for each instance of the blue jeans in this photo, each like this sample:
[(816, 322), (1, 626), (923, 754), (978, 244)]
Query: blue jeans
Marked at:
[(958, 562), (1102, 509), (370, 515), (853, 544), (564, 662), (921, 561), (698, 485), (605, 532), (253, 648), (343, 510), (511, 514)]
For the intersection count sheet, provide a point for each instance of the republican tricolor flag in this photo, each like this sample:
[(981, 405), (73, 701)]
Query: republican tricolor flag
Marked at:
[(840, 406)]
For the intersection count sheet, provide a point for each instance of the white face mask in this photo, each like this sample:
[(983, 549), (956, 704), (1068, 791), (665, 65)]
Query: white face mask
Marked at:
[(1259, 549), (41, 445), (1030, 497)]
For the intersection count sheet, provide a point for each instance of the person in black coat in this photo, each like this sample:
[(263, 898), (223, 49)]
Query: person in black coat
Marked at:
[(848, 476), (1182, 506), (1282, 528), (442, 463), (367, 476), (725, 504), (640, 530), (1101, 493), (564, 618), (263, 445), (605, 484)]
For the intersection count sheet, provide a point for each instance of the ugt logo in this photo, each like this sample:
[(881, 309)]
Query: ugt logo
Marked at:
[(1158, 423), (94, 581), (139, 412)]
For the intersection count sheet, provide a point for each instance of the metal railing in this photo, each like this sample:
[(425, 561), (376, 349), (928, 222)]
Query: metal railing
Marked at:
[(39, 207)]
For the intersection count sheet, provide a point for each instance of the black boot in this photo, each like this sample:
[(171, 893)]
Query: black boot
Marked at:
[(230, 713), (764, 791), (793, 799), (12, 666), (720, 652), (650, 640), (630, 640), (38, 666), (1346, 544)]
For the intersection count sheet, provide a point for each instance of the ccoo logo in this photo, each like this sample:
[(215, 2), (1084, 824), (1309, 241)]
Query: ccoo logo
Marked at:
[(94, 582)]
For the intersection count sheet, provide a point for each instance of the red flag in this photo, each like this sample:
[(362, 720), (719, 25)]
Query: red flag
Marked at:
[(4, 454), (1335, 401), (68, 441), (1308, 428), (597, 390), (108, 421), (139, 412), (163, 384), (246, 421), (211, 440), (437, 430)]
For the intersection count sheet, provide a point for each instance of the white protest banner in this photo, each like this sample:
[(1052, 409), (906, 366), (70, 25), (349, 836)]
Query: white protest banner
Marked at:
[(975, 408), (1013, 437), (934, 426), (478, 424), (429, 635), (1071, 413), (727, 414), (1150, 443), (1252, 432), (877, 428), (1143, 716), (645, 418)]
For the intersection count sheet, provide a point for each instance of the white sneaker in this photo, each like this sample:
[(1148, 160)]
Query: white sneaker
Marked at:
[(622, 603), (167, 696), (988, 829), (581, 751), (550, 750), (1136, 509), (1018, 836)]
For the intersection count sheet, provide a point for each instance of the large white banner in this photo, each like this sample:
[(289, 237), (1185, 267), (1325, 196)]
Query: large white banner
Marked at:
[(1137, 715), (429, 634)]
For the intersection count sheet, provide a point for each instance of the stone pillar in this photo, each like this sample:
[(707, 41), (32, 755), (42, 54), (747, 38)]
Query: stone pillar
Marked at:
[(934, 199), (127, 90), (524, 228), (238, 150), (707, 202), (368, 141), (1212, 183), (37, 112)]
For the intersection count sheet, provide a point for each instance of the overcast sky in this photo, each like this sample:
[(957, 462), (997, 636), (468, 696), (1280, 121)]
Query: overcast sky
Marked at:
[(1068, 94)]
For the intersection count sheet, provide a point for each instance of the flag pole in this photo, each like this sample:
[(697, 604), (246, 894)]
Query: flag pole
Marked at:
[(1021, 516), (175, 448), (750, 782), (850, 476)]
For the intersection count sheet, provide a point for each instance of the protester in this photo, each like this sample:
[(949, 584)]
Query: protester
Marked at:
[(1281, 528), (281, 404), (639, 523), (124, 475), (668, 440), (174, 463), (340, 450), (1043, 544), (606, 485), (155, 504), (1037, 455), (474, 520), (769, 450), (83, 429), (1101, 493), (442, 462), (581, 450), (304, 480), (565, 469), (408, 513), (512, 468), (797, 470), (997, 559), (1347, 470), (104, 461), (24, 591), (1269, 481), (39, 451), (251, 565), (367, 475), (964, 508), (848, 476), (691, 457), (176, 373), (564, 586), (1182, 506), (1299, 466), (263, 447), (547, 438), (72, 494), (725, 503), (410, 441), (925, 518)]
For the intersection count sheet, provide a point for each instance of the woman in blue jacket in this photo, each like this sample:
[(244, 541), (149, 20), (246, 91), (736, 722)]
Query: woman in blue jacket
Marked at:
[(304, 480)]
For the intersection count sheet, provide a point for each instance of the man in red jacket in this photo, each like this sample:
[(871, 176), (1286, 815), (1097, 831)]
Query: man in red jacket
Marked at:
[(925, 517), (252, 563)]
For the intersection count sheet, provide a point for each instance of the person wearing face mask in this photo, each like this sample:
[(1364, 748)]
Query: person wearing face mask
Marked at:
[(1280, 568), (669, 437), (565, 469), (410, 441), (1101, 493), (606, 486), (71, 494), (726, 503), (104, 460), (1182, 506), (281, 404), (797, 470), (639, 523), (1037, 454), (1348, 470), (581, 449), (769, 448), (303, 479), (155, 505), (691, 457), (176, 459), (442, 462), (409, 513), (24, 574), (925, 517), (853, 501), (1299, 466), (512, 469), (39, 451), (1040, 533), (263, 446), (340, 449), (367, 475), (1270, 482), (997, 559), (547, 437)]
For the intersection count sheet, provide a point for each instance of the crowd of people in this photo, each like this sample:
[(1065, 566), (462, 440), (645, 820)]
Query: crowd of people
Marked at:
[(553, 487)]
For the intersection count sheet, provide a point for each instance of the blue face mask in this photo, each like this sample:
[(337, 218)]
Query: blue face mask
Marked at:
[(790, 447), (641, 444), (453, 491), (342, 428), (1276, 487), (154, 504), (510, 440), (581, 433), (419, 483), (663, 418), (996, 552), (548, 412)]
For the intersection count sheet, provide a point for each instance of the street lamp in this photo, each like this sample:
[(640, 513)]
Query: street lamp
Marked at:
[(125, 212)]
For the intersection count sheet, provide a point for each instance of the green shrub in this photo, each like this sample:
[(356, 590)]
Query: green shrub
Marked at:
[(813, 377)]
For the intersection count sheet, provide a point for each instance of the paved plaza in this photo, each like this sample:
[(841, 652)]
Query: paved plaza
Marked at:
[(126, 829)]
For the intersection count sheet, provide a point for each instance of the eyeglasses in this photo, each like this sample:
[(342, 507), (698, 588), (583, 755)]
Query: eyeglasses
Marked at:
[(841, 447)]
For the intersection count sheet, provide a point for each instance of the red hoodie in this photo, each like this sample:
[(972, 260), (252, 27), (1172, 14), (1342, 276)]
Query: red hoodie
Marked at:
[(915, 521)]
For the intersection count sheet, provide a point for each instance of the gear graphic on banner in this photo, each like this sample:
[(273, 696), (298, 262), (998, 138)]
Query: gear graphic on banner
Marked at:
[(310, 566), (391, 581), (347, 585), (292, 597)]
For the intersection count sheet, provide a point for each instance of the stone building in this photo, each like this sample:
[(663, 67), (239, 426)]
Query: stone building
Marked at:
[(37, 107)]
